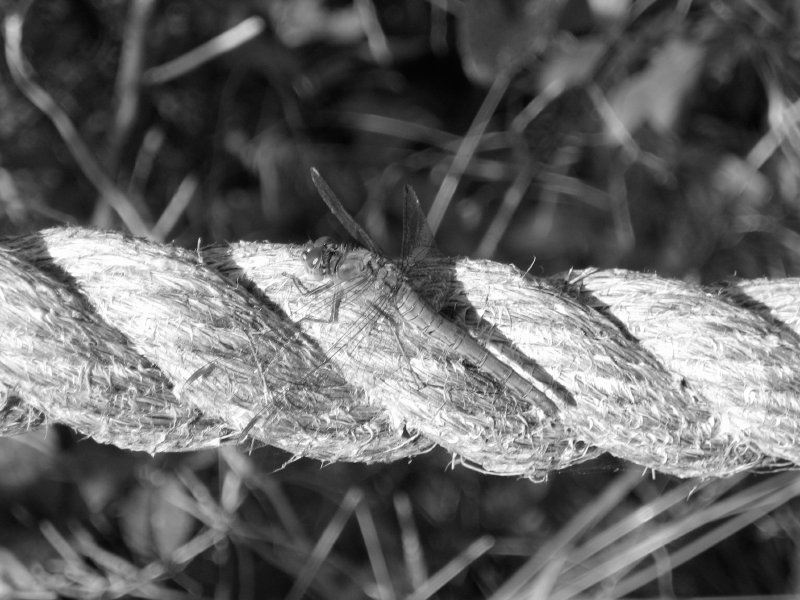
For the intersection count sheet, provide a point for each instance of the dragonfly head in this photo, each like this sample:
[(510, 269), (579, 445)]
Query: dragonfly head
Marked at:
[(317, 255)]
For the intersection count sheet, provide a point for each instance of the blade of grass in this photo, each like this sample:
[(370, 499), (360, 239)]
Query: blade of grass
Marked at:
[(439, 579), (409, 538), (502, 219), (602, 541), (39, 97), (270, 487), (708, 540), (175, 208), (127, 90), (376, 39), (613, 562), (580, 523), (152, 143), (377, 559), (213, 48), (325, 543), (467, 149)]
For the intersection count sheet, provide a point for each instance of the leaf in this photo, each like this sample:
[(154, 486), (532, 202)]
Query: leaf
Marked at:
[(152, 523), (301, 22), (655, 95), (572, 62), (502, 35)]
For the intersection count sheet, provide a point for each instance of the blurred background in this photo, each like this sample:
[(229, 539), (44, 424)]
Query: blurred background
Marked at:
[(647, 134)]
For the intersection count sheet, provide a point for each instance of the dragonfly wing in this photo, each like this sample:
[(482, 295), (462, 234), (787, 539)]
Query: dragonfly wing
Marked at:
[(429, 276), (333, 202), (354, 319), (418, 242)]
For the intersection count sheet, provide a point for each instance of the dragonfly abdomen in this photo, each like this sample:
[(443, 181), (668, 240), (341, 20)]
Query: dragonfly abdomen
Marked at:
[(415, 311)]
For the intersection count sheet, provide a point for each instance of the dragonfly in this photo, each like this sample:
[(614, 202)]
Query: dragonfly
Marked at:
[(343, 264)]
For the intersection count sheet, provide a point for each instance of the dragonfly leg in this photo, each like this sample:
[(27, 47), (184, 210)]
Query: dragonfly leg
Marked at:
[(306, 291), (303, 288), (335, 302)]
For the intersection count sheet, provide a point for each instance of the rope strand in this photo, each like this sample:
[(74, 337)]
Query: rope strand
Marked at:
[(152, 347)]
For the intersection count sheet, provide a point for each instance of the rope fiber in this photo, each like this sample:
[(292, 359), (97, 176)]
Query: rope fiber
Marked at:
[(157, 348)]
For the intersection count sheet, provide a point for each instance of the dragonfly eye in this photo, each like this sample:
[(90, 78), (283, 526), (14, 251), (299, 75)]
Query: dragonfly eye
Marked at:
[(316, 260)]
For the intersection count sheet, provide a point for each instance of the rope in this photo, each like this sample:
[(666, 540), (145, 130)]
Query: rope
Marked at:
[(156, 348)]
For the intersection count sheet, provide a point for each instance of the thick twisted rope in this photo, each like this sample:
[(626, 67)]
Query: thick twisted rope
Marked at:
[(156, 348)]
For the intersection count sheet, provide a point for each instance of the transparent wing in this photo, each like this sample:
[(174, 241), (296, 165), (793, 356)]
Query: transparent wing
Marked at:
[(353, 297), (333, 202), (418, 242)]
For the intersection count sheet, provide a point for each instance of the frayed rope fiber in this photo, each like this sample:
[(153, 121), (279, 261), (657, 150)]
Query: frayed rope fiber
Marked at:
[(156, 348)]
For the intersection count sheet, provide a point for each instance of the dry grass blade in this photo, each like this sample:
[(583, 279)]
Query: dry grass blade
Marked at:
[(61, 545), (608, 553), (127, 96), (18, 577), (742, 508), (398, 128), (377, 559), (376, 39), (90, 571), (126, 88), (152, 143), (267, 485), (325, 544), (224, 42), (567, 536), (175, 208), (22, 76), (409, 538), (439, 579), (208, 538), (536, 106), (709, 540), (784, 122), (600, 542), (467, 149), (511, 200)]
